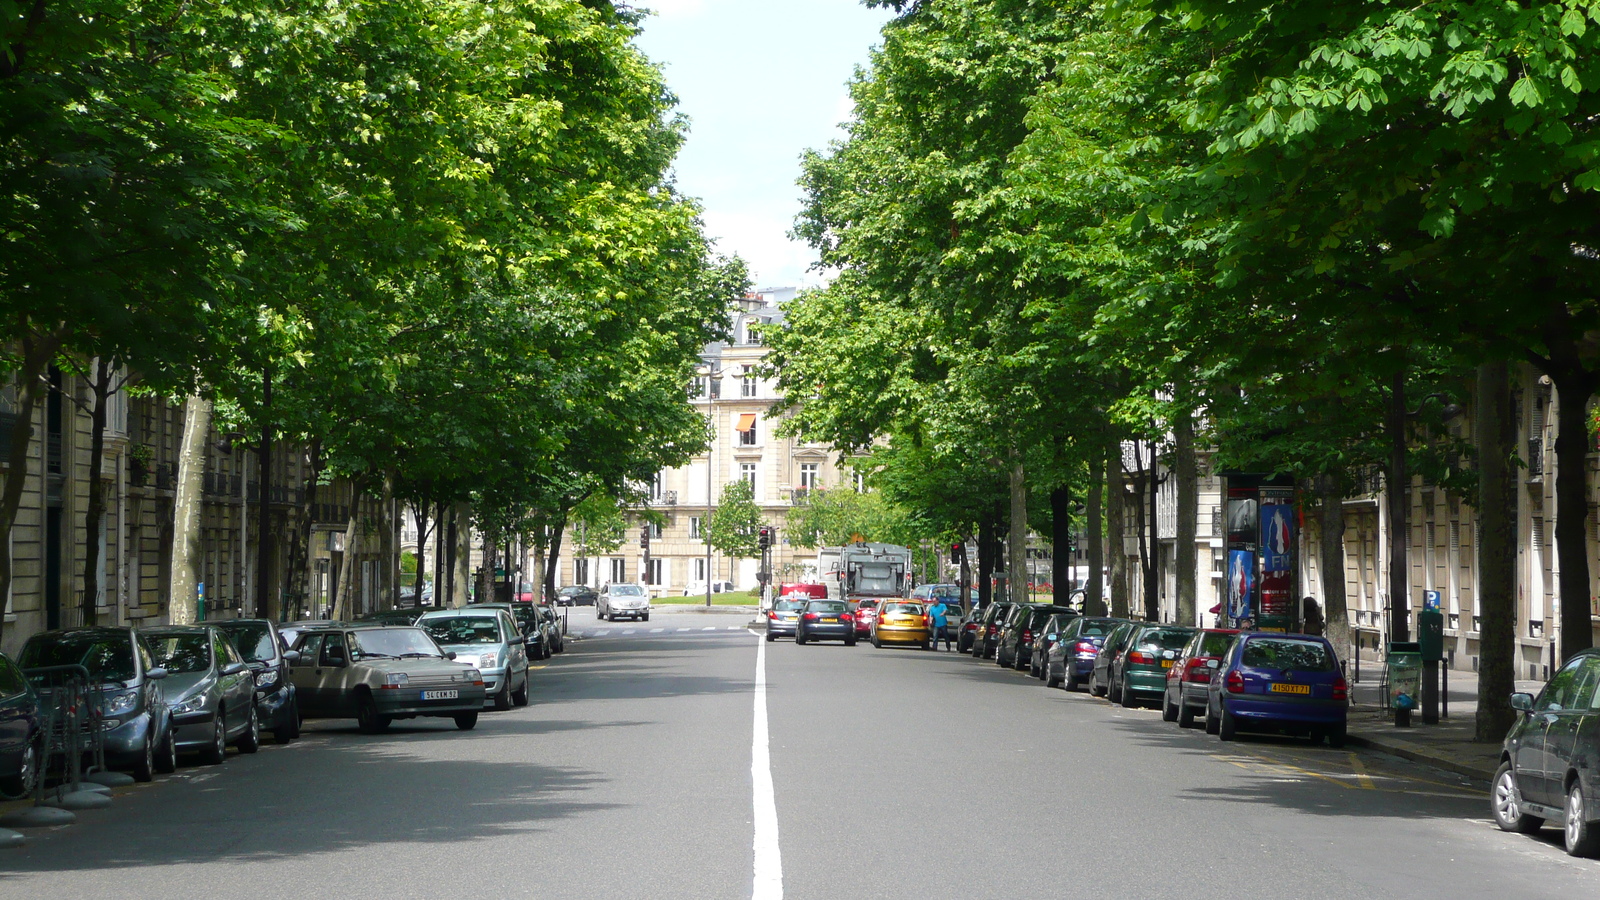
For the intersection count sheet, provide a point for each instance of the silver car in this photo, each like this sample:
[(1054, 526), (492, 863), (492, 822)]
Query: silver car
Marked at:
[(209, 688), (618, 600), (488, 640)]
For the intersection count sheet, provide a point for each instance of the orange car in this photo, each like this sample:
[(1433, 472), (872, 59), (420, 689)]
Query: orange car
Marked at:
[(902, 622)]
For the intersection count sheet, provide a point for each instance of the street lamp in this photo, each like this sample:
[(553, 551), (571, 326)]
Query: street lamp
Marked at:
[(709, 371)]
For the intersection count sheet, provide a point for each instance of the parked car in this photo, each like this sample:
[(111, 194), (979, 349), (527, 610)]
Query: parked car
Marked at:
[(1016, 641), (1550, 760), (376, 674), (1045, 638), (901, 622), (1140, 672), (209, 688), (1190, 675), (967, 631), (490, 641), (289, 632), (698, 588), (21, 731), (1071, 658), (1279, 682), (987, 636), (866, 615), (784, 618), (617, 600), (258, 643), (137, 724), (577, 595), (550, 626), (526, 615), (1110, 648), (826, 620), (404, 616)]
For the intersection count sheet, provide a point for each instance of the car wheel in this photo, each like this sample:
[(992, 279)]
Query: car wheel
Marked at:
[(22, 783), (877, 643), (770, 636), (1169, 710), (646, 617), (367, 717), (250, 741), (1185, 715), (466, 721), (1503, 803), (217, 750), (923, 646), (1228, 727), (799, 638), (145, 768), (502, 697), (167, 753), (288, 723), (1127, 698), (1051, 681), (1336, 735), (520, 698), (849, 642), (1580, 839), (1211, 723)]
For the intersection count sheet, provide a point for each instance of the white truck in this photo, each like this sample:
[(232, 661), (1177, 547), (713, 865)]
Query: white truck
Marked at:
[(857, 571)]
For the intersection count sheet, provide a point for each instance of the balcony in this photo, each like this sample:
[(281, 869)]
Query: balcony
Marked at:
[(1535, 459)]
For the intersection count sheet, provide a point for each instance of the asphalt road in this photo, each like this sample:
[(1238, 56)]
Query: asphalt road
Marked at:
[(897, 773)]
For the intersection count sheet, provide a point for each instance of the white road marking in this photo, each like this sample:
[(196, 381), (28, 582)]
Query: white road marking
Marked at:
[(627, 631), (683, 629), (657, 630), (768, 884), (709, 628)]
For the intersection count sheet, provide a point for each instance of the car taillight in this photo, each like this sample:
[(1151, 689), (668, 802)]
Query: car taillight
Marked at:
[(1140, 658), (1341, 690), (772, 614), (970, 626), (1197, 671), (992, 631), (810, 617), (1086, 647), (846, 617), (1234, 683)]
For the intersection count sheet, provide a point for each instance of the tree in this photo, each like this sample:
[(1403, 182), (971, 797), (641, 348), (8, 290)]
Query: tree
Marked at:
[(734, 526)]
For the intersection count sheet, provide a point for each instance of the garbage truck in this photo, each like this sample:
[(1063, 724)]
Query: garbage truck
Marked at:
[(864, 570)]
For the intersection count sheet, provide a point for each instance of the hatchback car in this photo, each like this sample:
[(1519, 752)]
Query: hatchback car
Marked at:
[(866, 613), (258, 643), (550, 626), (209, 688), (619, 600), (901, 622), (986, 638), (1016, 639), (490, 641), (784, 616), (535, 640), (377, 674), (1140, 673), (405, 616), (21, 731), (1045, 638), (1071, 658), (826, 620), (1190, 675), (1279, 682), (123, 675), (1550, 760), (1110, 648)]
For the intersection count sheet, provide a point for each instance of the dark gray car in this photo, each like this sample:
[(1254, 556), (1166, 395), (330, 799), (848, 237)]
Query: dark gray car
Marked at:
[(1550, 761), (210, 690), (259, 643)]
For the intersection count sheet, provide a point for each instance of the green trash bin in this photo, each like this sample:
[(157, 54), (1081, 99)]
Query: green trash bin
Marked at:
[(1403, 675)]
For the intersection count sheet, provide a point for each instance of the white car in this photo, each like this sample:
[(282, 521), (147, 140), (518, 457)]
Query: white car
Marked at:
[(618, 600), (698, 588)]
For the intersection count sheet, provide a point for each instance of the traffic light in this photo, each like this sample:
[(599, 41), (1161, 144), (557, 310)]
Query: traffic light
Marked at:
[(764, 537), (958, 553), (644, 537)]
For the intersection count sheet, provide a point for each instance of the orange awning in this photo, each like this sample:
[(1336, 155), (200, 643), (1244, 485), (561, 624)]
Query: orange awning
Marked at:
[(747, 421)]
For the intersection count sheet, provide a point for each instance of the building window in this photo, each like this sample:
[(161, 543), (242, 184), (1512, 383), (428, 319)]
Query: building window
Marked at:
[(699, 570), (580, 571), (808, 476), (748, 438), (658, 487), (655, 530), (859, 479), (747, 471), (694, 528), (747, 386), (654, 572), (619, 570)]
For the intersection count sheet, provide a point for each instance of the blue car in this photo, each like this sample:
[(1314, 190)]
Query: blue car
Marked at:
[(1279, 682)]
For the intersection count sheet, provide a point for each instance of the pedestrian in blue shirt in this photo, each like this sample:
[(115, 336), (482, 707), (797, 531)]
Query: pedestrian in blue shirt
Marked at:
[(941, 623)]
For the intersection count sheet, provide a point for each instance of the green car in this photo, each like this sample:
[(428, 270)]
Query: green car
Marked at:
[(1140, 672)]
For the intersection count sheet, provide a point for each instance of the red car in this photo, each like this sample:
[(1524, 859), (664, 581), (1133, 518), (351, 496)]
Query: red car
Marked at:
[(866, 616), (1185, 696)]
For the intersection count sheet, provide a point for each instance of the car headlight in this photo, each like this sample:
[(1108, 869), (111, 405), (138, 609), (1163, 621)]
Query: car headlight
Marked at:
[(488, 660), (475, 676), (266, 678), (117, 704), (395, 679), (192, 705)]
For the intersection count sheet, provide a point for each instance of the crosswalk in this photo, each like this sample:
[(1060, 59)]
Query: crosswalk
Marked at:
[(590, 633)]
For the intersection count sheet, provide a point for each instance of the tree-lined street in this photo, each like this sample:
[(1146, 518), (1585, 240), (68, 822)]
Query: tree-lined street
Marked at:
[(898, 773)]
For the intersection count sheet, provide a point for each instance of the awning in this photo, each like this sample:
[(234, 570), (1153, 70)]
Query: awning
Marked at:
[(747, 421)]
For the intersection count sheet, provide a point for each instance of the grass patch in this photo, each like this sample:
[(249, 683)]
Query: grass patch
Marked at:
[(736, 598)]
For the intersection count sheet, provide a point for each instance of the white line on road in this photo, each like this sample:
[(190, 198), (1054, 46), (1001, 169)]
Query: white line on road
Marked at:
[(627, 631), (709, 628), (683, 629), (768, 883), (657, 630)]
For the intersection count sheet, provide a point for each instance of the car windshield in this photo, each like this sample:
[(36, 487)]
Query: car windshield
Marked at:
[(626, 590), (1165, 639), (107, 658), (826, 607), (1215, 644), (254, 640), (788, 605), (394, 642), (1287, 654), (913, 609), (180, 653), (463, 629)]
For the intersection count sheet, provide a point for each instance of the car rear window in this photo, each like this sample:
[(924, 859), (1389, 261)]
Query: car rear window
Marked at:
[(1287, 654), (1097, 627), (1214, 644), (788, 605), (829, 607), (914, 609), (1165, 639)]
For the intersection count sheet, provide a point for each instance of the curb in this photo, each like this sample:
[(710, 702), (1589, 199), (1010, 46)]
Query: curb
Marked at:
[(1408, 750)]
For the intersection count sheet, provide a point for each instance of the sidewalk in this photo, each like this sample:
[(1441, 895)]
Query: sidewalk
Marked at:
[(1447, 745)]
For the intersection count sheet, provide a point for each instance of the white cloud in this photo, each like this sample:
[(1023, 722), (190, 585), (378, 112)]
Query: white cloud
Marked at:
[(761, 240)]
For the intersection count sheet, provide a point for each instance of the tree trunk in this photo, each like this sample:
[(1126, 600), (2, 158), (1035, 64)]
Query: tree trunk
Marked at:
[(419, 511), (485, 591), (1094, 603), (1116, 507), (986, 561), (1185, 555), (95, 515), (186, 511), (1497, 554), (299, 567), (342, 596), (1145, 527), (1061, 556), (266, 605), (1396, 493), (1017, 534), (1335, 615), (36, 356), (548, 576), (1574, 388)]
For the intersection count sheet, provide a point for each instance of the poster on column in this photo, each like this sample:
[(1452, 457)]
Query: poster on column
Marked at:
[(1241, 585), (1277, 560)]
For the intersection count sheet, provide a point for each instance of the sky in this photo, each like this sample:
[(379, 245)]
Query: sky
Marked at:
[(761, 81)]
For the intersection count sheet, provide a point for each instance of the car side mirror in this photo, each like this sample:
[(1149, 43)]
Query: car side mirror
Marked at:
[(234, 668), (156, 674), (1051, 636), (1213, 663), (449, 654), (291, 656), (519, 639), (1522, 702)]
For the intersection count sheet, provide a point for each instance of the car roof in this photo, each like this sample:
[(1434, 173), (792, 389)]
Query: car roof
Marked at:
[(229, 623), (176, 629)]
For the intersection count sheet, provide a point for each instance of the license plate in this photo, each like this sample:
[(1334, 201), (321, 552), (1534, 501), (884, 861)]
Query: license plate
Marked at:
[(1291, 689), (1166, 664), (830, 618), (440, 695)]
